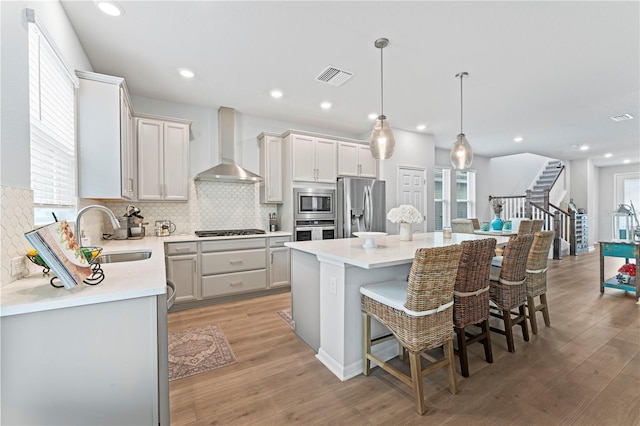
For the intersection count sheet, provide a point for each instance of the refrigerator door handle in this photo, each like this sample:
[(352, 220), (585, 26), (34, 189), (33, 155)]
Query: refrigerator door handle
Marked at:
[(367, 208)]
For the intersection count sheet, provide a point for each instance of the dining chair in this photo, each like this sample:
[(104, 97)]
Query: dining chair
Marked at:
[(471, 299), (536, 284), (525, 227), (507, 288), (537, 225), (462, 226), (419, 313)]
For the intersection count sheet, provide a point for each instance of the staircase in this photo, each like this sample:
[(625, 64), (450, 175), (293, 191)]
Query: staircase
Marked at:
[(545, 182)]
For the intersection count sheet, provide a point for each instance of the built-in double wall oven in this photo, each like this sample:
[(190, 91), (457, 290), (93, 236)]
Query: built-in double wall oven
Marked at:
[(314, 214)]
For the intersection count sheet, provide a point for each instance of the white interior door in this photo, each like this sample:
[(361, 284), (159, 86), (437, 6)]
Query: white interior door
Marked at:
[(412, 190)]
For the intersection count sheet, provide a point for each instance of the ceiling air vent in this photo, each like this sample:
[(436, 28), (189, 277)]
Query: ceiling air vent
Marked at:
[(622, 117), (334, 76)]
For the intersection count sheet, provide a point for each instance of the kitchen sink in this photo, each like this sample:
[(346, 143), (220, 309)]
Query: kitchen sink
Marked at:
[(129, 256)]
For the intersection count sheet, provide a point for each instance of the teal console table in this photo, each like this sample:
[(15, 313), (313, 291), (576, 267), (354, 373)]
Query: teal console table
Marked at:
[(626, 250)]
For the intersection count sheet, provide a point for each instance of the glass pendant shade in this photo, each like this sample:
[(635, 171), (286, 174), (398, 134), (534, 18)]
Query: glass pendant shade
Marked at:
[(461, 153), (382, 142)]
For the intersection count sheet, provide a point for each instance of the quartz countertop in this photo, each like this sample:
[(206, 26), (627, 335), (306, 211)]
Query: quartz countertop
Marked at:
[(389, 251), (124, 280)]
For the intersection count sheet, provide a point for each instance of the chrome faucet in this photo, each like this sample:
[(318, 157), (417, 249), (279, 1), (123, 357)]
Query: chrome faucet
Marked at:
[(114, 219)]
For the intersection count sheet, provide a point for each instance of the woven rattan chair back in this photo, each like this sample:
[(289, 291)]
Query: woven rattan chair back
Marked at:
[(537, 225), (471, 299), (509, 291), (470, 305), (525, 227), (536, 283), (462, 226)]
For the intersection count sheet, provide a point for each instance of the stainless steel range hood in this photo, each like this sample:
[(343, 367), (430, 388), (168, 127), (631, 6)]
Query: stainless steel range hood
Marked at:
[(227, 170)]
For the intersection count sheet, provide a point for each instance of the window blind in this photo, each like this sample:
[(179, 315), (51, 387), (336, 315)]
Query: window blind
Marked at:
[(52, 126)]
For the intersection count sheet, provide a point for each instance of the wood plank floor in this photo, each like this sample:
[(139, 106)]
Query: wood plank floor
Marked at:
[(583, 370)]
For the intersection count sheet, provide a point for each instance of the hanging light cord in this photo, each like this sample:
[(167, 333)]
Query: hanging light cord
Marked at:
[(381, 83), (461, 75)]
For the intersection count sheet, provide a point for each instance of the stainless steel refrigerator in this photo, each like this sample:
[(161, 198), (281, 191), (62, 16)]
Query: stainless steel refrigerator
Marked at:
[(361, 206)]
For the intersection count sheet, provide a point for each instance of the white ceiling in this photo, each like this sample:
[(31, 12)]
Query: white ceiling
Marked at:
[(551, 72)]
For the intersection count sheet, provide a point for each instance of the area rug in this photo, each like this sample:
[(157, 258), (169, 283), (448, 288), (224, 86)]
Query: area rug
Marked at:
[(285, 316), (196, 350)]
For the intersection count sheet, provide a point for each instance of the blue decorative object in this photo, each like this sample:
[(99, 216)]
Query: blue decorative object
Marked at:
[(496, 224), (506, 226)]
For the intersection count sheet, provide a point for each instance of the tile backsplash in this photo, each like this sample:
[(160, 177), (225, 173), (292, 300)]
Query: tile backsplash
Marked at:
[(16, 218), (211, 205)]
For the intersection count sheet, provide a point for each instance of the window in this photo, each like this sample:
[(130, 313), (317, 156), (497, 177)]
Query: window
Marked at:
[(442, 196), (628, 190), (52, 130), (465, 194)]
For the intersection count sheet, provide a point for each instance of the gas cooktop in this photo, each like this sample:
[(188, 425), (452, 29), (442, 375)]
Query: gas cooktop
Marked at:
[(229, 232)]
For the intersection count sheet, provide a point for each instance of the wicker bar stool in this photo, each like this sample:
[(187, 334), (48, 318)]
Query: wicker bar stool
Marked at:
[(419, 314), (525, 227), (507, 290), (462, 226), (536, 284), (537, 225), (471, 299)]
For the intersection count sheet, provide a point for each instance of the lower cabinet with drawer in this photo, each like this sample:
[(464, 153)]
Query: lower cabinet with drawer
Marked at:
[(233, 266), (211, 271), (182, 268)]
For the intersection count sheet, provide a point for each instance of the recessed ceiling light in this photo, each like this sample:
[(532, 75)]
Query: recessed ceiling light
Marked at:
[(325, 105), (421, 126), (608, 155), (626, 161), (518, 139), (110, 8), (373, 116), (580, 146), (186, 73), (275, 93), (622, 117)]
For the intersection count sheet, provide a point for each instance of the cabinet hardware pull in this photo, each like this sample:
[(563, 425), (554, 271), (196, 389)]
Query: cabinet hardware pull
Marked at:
[(181, 248), (271, 258), (235, 283), (235, 261)]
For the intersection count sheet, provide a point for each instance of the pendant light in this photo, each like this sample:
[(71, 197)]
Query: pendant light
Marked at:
[(461, 153), (382, 142)]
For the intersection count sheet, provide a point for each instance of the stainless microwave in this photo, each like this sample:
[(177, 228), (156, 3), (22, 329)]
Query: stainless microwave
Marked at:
[(314, 203)]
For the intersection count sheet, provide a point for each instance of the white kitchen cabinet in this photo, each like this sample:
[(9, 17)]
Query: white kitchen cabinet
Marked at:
[(355, 160), (182, 270), (279, 262), (106, 146), (163, 158), (270, 168), (313, 159)]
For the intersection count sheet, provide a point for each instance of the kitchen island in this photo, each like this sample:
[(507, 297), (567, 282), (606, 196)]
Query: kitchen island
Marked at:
[(326, 277)]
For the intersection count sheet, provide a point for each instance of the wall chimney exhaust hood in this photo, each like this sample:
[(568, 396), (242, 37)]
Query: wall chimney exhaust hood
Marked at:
[(227, 170)]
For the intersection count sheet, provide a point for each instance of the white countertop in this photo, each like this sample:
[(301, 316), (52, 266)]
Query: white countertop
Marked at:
[(389, 251), (124, 280)]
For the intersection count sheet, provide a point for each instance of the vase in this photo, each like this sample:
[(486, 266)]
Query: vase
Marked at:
[(406, 231), (496, 223)]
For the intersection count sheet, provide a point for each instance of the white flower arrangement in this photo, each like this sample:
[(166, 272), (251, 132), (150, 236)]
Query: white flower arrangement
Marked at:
[(405, 213)]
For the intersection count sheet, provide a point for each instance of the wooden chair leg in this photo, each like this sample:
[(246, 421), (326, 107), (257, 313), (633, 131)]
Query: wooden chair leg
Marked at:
[(402, 352), (366, 346), (508, 329), (462, 351), (488, 353), (531, 309), (523, 323), (416, 380), (545, 310), (448, 353)]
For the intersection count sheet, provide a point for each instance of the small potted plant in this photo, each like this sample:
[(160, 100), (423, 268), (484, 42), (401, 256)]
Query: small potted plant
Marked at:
[(496, 223), (626, 273)]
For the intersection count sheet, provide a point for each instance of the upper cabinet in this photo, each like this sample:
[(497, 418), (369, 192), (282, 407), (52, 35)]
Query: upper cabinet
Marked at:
[(355, 159), (313, 159), (163, 158), (106, 146), (270, 168)]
